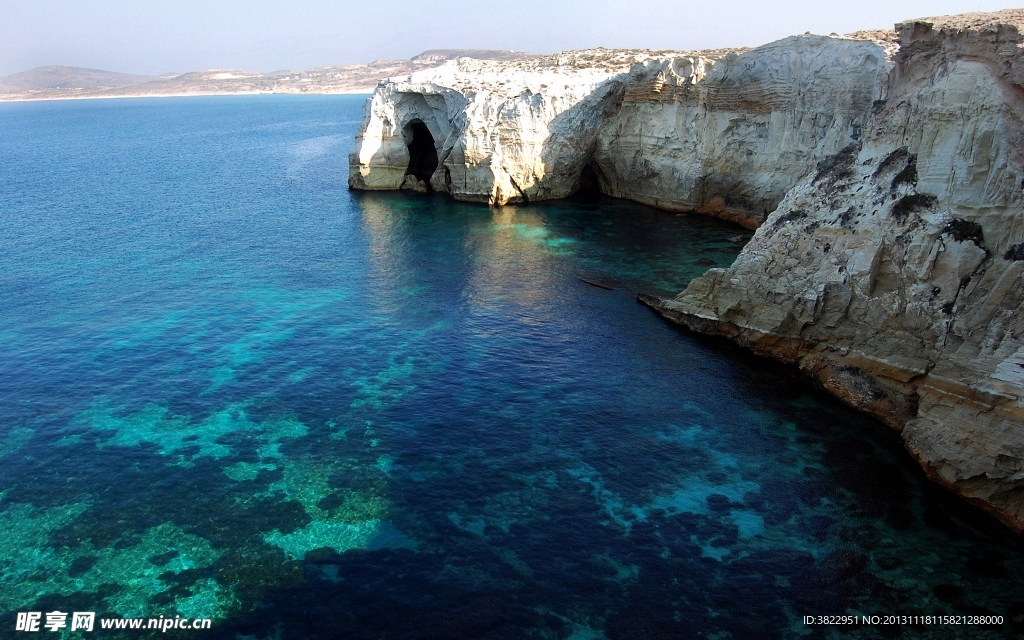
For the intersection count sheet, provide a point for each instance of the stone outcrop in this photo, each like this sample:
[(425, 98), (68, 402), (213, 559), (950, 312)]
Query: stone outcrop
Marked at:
[(882, 170)]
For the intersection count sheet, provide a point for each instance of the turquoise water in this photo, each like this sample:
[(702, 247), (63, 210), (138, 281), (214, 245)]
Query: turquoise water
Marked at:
[(231, 388)]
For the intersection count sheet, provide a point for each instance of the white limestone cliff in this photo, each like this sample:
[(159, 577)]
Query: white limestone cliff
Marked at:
[(723, 132), (885, 178), (730, 139), (507, 131)]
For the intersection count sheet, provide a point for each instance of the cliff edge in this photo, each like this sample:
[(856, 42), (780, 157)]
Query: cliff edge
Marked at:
[(882, 170)]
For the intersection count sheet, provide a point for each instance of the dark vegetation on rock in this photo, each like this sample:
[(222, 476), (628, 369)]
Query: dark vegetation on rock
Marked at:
[(837, 167), (912, 204), (908, 176), (1016, 252), (792, 216), (897, 156), (965, 230)]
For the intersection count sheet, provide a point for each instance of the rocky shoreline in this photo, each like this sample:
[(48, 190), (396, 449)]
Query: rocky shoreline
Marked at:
[(882, 171)]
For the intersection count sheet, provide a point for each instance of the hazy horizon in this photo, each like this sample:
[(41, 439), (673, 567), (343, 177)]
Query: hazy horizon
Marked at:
[(117, 35)]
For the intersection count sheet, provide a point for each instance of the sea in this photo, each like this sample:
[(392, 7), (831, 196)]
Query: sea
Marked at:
[(232, 390)]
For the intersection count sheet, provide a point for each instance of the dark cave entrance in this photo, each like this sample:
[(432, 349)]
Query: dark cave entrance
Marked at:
[(422, 154), (589, 189)]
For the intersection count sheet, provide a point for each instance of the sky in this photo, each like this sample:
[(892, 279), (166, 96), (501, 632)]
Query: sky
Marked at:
[(174, 36)]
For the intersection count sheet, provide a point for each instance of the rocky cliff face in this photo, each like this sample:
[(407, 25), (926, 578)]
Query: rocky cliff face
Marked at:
[(723, 132), (894, 273), (730, 138), (884, 174)]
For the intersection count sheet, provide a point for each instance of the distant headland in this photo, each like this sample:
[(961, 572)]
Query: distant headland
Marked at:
[(66, 82)]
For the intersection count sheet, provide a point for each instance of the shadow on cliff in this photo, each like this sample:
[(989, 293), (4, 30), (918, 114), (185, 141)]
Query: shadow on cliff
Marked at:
[(422, 151), (568, 153)]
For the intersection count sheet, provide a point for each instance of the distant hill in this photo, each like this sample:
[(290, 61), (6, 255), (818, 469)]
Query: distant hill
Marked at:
[(54, 83), (67, 78), (441, 55)]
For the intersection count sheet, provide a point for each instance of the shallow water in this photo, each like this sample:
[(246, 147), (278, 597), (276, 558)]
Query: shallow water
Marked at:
[(231, 388)]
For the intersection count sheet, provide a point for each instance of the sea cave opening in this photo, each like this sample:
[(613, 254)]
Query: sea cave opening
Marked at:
[(422, 153), (589, 188)]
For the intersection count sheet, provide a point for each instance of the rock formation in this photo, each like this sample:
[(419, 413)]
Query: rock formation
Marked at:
[(503, 132), (882, 170)]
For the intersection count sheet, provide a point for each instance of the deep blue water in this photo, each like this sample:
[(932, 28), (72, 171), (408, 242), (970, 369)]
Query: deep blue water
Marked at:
[(231, 388)]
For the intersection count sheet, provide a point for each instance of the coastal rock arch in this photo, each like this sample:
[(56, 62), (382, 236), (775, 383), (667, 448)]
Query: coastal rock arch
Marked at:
[(423, 158)]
